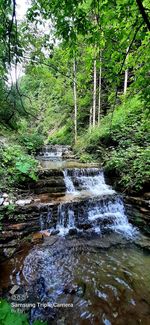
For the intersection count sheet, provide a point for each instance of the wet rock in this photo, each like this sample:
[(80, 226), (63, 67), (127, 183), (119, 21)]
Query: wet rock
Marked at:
[(12, 243), (72, 232), (84, 226), (143, 242), (23, 202)]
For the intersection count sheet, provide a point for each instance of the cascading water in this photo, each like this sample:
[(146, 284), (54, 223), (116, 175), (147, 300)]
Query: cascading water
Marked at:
[(103, 209), (66, 219), (68, 181), (52, 153)]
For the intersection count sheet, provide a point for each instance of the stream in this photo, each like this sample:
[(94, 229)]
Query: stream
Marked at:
[(90, 271)]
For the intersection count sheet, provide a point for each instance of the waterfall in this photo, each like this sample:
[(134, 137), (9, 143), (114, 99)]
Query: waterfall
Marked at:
[(100, 216), (104, 212), (68, 182), (51, 152), (89, 180), (41, 222), (66, 219), (91, 205)]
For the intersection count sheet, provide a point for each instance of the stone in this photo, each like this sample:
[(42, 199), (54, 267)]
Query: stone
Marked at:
[(37, 237), (14, 289), (72, 231), (5, 204), (23, 202), (84, 226), (5, 195), (1, 200)]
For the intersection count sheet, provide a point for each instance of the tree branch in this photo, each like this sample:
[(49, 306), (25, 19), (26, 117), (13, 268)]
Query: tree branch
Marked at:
[(143, 13)]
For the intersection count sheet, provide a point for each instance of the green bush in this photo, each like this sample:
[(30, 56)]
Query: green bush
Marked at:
[(121, 143), (132, 165), (32, 142), (85, 157), (16, 165), (61, 136)]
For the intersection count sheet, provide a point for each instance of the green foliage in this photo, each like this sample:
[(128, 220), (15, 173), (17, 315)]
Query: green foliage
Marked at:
[(63, 135), (122, 144), (32, 141), (132, 167), (9, 317), (85, 157), (16, 165)]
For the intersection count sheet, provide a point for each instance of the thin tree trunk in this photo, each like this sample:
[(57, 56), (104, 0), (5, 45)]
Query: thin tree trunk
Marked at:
[(94, 95), (90, 119), (75, 100), (126, 76), (125, 81), (100, 89)]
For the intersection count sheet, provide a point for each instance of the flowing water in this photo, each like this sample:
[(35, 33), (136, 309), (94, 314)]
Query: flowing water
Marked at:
[(92, 271)]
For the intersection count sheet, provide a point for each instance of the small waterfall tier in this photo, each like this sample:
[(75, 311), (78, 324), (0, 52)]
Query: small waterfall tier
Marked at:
[(51, 152), (86, 179), (93, 206), (55, 152)]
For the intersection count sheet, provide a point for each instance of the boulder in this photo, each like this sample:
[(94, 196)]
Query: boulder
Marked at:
[(72, 231)]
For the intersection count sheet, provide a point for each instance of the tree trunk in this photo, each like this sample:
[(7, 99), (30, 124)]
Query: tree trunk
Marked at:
[(90, 119), (125, 81), (100, 89), (126, 76), (143, 13), (94, 95), (75, 101)]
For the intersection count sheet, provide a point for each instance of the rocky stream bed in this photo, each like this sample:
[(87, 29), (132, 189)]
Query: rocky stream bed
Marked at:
[(72, 240)]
